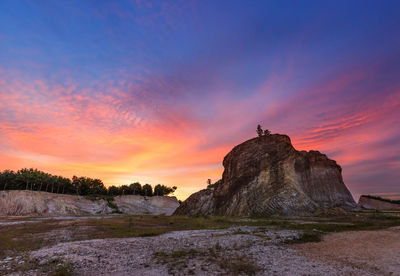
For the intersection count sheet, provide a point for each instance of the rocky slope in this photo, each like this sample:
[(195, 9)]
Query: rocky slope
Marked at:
[(375, 203), (23, 203), (267, 176), (157, 205)]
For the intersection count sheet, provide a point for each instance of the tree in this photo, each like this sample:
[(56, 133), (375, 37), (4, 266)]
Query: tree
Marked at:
[(87, 186), (213, 186), (35, 180), (147, 190), (267, 132), (136, 188), (162, 190), (7, 180), (126, 190), (259, 131), (114, 191), (25, 177)]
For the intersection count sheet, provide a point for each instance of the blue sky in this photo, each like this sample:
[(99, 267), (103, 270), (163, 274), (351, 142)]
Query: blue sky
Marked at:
[(160, 91)]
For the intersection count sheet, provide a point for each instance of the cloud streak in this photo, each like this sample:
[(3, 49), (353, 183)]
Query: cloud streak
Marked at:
[(125, 91)]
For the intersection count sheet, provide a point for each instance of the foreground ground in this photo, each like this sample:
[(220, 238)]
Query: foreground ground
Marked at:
[(346, 244)]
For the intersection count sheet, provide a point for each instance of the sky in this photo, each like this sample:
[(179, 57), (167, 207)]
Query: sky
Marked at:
[(160, 91)]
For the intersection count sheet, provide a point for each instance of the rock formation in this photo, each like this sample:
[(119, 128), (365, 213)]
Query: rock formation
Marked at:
[(156, 205), (372, 202), (27, 203), (267, 176)]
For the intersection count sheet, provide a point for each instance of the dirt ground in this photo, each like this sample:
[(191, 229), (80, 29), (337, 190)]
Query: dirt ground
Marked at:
[(235, 251), (375, 252), (160, 245)]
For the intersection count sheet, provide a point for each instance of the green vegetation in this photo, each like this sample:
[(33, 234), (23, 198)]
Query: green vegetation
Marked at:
[(64, 270), (178, 254), (177, 260), (19, 238), (238, 265), (113, 206), (35, 180), (314, 230), (213, 185), (310, 236), (382, 199), (261, 132), (53, 267), (29, 236)]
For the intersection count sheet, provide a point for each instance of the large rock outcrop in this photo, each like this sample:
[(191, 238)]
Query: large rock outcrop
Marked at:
[(267, 176), (28, 203), (374, 202)]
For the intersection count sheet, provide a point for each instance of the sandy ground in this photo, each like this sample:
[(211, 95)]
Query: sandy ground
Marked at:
[(375, 252)]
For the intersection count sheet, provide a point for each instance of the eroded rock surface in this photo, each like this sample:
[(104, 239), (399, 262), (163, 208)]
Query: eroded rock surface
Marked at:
[(26, 203), (372, 203), (157, 205), (268, 176)]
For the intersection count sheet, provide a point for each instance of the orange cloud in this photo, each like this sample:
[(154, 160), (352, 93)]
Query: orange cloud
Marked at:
[(109, 132)]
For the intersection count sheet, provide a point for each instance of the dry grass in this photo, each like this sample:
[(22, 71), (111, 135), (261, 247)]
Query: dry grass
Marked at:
[(178, 261), (238, 265), (64, 270), (19, 238)]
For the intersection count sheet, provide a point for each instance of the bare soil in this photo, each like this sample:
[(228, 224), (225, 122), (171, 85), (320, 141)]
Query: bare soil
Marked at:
[(162, 245), (235, 251), (375, 252)]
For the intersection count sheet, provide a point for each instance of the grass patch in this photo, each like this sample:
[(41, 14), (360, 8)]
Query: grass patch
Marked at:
[(240, 232), (113, 206), (176, 255), (177, 261), (64, 270), (314, 228), (238, 265), (306, 237), (19, 238)]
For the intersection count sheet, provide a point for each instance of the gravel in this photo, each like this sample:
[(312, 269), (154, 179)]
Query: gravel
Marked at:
[(237, 250)]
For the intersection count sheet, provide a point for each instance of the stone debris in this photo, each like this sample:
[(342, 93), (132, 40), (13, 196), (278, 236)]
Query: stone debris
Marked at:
[(237, 250)]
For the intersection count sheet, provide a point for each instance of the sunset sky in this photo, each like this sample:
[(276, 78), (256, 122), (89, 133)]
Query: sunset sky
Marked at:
[(160, 91)]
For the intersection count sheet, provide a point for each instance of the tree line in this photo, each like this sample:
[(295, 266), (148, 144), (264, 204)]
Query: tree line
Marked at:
[(35, 180)]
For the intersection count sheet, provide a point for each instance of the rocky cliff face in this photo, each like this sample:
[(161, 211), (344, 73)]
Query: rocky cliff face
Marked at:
[(28, 203), (267, 176), (156, 205), (374, 203)]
